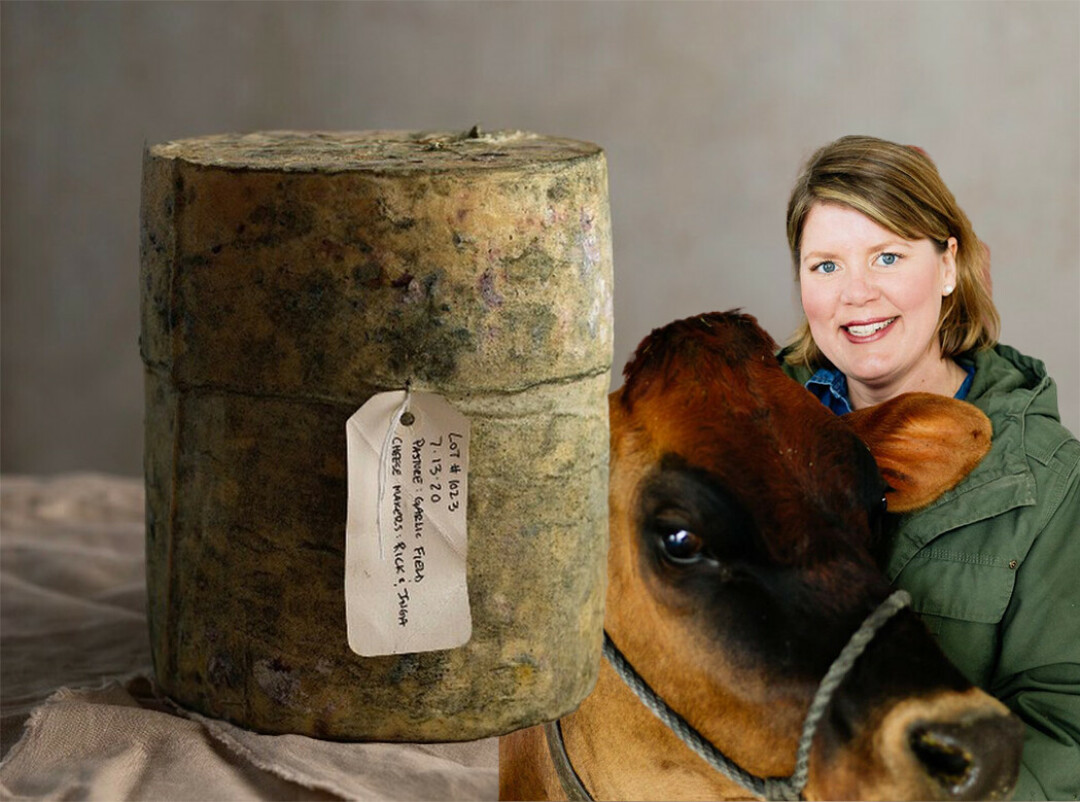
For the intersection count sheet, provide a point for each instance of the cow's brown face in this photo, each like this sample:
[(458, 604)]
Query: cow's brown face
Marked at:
[(743, 522)]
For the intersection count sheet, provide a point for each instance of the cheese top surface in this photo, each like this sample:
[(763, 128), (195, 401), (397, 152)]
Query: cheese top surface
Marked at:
[(376, 151)]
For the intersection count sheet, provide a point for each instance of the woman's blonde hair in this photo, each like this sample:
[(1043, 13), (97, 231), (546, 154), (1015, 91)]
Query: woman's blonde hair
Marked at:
[(898, 188)]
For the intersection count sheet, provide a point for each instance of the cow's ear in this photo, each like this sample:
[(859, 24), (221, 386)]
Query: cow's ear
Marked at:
[(924, 444)]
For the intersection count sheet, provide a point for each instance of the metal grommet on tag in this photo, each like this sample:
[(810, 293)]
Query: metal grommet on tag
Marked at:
[(406, 535)]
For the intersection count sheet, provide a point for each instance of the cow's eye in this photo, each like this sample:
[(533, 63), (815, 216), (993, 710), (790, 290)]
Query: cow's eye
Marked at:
[(682, 547)]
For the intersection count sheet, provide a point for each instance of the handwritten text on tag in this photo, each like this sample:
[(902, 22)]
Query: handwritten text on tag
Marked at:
[(405, 535)]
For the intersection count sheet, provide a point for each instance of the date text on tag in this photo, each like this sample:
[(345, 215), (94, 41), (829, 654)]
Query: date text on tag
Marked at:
[(405, 535)]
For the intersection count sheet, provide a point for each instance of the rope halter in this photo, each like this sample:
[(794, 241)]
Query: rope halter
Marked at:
[(780, 788)]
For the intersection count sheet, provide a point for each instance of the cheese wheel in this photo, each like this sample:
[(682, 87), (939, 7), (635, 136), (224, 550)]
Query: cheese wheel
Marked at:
[(286, 278)]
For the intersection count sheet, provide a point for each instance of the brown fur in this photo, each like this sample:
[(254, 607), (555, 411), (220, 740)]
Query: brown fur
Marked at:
[(709, 390), (924, 444)]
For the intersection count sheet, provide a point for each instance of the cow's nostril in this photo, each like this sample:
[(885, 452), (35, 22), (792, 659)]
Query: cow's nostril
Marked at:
[(946, 761), (977, 758)]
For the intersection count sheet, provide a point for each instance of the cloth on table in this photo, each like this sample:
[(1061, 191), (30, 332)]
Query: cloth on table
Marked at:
[(80, 716)]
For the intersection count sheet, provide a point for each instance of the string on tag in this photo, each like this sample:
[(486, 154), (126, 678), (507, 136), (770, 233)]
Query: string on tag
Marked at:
[(384, 455)]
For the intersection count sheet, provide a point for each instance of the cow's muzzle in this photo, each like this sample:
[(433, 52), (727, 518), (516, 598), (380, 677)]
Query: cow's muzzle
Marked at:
[(950, 746)]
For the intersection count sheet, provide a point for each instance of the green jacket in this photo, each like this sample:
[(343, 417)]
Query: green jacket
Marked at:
[(993, 567)]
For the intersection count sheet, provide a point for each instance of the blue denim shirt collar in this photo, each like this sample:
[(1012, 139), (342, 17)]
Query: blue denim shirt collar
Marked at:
[(829, 386)]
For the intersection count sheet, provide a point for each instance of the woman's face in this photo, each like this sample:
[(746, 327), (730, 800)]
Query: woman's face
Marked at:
[(872, 298)]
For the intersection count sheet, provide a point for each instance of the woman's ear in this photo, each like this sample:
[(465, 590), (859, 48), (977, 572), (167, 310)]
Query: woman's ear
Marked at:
[(924, 444), (949, 274)]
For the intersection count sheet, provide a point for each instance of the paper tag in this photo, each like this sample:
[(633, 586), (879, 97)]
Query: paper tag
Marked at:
[(405, 534)]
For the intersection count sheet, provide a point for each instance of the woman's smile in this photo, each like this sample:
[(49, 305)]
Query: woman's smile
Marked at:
[(865, 331)]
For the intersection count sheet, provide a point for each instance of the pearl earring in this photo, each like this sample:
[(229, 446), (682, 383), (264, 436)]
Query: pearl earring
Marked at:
[(948, 289)]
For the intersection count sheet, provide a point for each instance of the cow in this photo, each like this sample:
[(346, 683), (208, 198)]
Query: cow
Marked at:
[(746, 526)]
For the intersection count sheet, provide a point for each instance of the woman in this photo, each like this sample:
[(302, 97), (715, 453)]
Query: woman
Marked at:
[(895, 290)]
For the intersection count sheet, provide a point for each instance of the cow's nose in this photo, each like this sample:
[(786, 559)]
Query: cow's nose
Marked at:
[(969, 759)]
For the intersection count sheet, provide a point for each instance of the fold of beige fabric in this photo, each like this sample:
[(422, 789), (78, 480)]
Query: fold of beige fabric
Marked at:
[(80, 715)]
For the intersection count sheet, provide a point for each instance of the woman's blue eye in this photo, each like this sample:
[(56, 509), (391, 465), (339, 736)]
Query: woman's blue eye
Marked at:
[(826, 267), (888, 259)]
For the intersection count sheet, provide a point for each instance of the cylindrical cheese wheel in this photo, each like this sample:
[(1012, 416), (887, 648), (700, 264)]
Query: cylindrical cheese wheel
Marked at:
[(286, 278)]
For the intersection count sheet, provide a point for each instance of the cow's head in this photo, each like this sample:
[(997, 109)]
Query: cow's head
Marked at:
[(744, 522)]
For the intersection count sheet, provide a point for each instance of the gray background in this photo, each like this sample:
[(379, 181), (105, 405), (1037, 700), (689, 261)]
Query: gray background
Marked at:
[(706, 110)]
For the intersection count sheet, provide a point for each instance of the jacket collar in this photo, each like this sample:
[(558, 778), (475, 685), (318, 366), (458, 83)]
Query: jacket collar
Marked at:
[(1008, 387)]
